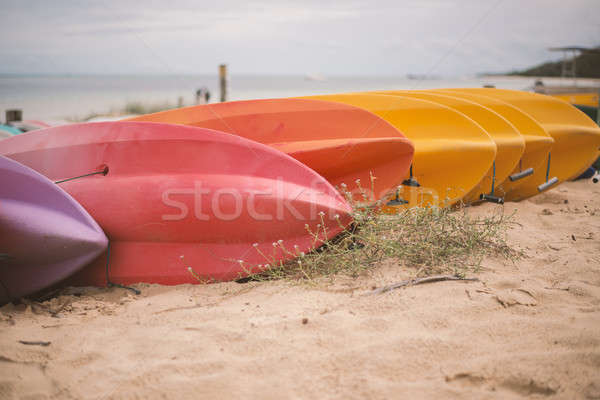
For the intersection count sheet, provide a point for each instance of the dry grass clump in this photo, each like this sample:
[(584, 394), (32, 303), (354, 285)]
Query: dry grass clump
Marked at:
[(428, 240)]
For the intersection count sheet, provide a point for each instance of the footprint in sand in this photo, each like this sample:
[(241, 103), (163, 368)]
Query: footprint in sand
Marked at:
[(519, 296)]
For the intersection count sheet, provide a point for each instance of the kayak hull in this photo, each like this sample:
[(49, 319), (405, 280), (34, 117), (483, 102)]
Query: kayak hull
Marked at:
[(45, 235), (442, 137), (340, 142), (538, 144), (576, 137), (509, 142), (173, 198)]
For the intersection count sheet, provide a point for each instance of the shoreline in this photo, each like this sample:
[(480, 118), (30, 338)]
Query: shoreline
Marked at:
[(51, 98)]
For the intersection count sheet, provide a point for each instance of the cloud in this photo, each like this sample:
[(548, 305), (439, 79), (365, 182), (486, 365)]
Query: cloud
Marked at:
[(452, 37)]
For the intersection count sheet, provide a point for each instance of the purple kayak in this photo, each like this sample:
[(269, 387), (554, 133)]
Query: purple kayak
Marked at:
[(45, 235)]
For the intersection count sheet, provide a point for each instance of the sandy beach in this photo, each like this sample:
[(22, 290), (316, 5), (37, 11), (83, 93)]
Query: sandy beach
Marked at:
[(528, 329)]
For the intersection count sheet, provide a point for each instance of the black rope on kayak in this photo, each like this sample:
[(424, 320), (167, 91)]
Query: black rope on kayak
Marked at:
[(111, 284), (103, 172), (548, 167)]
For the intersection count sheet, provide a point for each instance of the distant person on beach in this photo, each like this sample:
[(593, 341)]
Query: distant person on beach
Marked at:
[(202, 95), (539, 86)]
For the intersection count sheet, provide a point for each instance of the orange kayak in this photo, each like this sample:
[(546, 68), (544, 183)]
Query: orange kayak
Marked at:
[(342, 143)]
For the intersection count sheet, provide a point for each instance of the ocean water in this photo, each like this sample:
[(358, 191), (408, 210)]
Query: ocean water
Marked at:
[(76, 97)]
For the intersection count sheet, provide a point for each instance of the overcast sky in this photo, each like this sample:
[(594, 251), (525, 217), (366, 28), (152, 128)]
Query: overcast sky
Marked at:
[(437, 37)]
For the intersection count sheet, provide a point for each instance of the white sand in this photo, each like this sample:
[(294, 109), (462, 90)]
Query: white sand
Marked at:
[(526, 330)]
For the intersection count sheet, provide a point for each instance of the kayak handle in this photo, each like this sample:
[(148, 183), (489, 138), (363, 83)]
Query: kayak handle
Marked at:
[(492, 199), (521, 175), (546, 185)]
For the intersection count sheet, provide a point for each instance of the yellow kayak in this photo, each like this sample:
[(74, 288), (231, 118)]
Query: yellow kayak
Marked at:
[(452, 152), (509, 142), (576, 136), (583, 99), (531, 170)]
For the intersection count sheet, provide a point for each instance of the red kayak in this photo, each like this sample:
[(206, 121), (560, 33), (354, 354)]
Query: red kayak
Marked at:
[(342, 143), (171, 198)]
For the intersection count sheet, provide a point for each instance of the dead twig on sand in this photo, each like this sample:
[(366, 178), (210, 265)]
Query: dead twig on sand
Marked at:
[(420, 281), (35, 343), (566, 289), (181, 308)]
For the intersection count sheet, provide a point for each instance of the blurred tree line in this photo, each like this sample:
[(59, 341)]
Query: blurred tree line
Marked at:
[(588, 66)]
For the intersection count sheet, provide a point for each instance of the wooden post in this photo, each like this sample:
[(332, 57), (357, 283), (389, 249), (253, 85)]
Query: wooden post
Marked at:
[(14, 115), (223, 81)]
